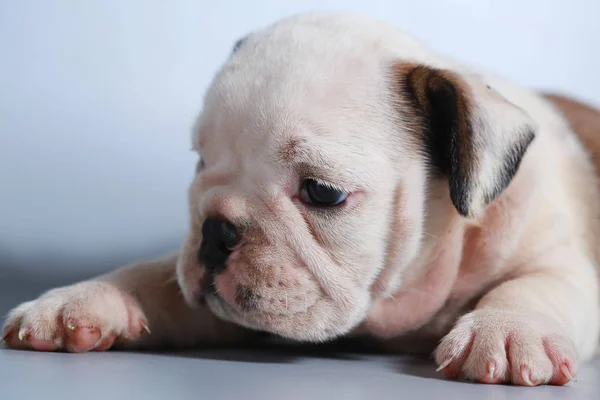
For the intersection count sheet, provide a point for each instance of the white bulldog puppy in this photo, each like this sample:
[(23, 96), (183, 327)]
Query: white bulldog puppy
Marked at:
[(353, 183)]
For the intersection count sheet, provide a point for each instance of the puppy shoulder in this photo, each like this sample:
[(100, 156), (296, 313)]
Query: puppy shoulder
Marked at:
[(583, 119)]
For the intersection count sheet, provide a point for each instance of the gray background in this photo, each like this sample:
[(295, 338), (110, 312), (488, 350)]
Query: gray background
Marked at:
[(96, 103), (98, 97)]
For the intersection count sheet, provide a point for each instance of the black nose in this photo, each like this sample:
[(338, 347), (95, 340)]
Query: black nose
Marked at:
[(218, 238)]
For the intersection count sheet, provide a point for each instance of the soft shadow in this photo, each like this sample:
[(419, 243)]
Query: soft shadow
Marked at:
[(420, 367), (271, 351)]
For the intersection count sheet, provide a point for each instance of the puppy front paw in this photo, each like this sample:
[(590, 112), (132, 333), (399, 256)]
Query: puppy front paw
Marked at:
[(86, 316), (497, 346)]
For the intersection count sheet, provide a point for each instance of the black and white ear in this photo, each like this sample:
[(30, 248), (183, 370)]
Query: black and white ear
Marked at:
[(471, 134)]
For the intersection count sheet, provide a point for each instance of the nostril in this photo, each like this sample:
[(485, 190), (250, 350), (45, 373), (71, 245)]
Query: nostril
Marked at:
[(220, 232), (229, 235), (219, 237), (213, 259)]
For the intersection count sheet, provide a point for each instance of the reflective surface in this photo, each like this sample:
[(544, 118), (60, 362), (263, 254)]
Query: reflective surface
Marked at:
[(281, 372)]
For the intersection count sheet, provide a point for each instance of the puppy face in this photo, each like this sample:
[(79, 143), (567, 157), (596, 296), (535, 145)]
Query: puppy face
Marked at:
[(318, 145)]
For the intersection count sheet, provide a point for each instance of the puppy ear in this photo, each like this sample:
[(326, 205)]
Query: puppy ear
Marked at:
[(238, 44), (471, 134)]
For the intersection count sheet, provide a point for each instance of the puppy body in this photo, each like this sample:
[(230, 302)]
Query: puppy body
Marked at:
[(472, 214)]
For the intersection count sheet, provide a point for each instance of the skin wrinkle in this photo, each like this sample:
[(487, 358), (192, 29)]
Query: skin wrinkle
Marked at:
[(427, 294), (297, 244), (451, 242), (396, 237)]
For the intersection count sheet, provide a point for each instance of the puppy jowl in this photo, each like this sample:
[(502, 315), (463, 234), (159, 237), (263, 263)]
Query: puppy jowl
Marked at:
[(352, 182)]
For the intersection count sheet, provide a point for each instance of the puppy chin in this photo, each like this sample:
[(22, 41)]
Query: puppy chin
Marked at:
[(309, 318), (289, 327)]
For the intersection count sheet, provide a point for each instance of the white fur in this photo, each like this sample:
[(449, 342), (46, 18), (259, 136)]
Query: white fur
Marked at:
[(399, 264)]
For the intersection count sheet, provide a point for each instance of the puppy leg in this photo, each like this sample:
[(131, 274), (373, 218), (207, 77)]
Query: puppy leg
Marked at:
[(138, 306), (527, 331)]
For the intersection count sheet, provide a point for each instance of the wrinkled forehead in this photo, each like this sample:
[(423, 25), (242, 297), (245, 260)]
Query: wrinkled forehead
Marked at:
[(282, 92)]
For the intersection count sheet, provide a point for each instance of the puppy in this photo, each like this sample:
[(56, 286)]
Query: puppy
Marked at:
[(354, 183)]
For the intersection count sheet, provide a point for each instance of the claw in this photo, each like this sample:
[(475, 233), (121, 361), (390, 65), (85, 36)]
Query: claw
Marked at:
[(23, 334), (565, 370), (491, 371), (71, 326), (444, 364), (147, 329), (525, 374)]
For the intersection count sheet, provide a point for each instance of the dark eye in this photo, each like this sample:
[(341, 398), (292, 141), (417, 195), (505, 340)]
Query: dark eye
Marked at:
[(318, 194)]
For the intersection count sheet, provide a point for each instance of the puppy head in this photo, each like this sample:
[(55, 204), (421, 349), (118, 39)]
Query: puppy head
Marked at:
[(318, 145)]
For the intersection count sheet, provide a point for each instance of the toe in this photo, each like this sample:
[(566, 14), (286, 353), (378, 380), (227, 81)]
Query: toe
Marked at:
[(42, 345), (564, 360), (450, 369), (106, 343), (563, 375), (493, 373), (524, 377), (13, 341), (452, 354), (81, 338)]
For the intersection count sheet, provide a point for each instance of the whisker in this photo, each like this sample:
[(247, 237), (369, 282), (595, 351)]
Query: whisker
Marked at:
[(380, 286), (431, 235), (305, 303), (393, 298), (170, 280), (215, 288)]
